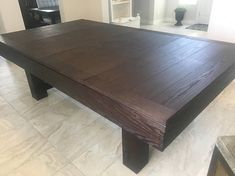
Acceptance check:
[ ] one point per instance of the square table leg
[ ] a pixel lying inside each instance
(212, 167)
(37, 86)
(218, 165)
(135, 152)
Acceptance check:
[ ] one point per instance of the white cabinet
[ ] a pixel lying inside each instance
(121, 13)
(120, 9)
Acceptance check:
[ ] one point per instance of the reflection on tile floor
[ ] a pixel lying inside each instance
(58, 136)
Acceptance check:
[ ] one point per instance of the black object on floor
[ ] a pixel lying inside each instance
(198, 27)
(179, 15)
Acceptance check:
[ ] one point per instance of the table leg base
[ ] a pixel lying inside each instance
(218, 165)
(37, 86)
(135, 152)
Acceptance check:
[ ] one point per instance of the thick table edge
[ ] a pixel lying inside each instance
(151, 133)
(186, 115)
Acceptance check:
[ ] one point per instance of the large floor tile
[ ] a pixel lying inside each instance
(23, 103)
(69, 170)
(17, 146)
(9, 119)
(44, 163)
(44, 105)
(100, 156)
(58, 115)
(72, 141)
(118, 169)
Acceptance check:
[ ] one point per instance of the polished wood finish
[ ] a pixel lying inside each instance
(223, 158)
(135, 152)
(151, 84)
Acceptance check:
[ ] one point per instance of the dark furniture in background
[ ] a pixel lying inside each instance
(29, 21)
(151, 84)
(34, 17)
(179, 16)
(51, 12)
(223, 158)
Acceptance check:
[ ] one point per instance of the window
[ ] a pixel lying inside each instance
(188, 2)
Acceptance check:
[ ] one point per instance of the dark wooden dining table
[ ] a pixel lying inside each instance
(53, 12)
(151, 84)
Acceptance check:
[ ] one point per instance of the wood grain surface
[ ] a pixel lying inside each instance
(151, 84)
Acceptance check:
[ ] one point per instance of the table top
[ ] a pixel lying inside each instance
(156, 74)
(51, 9)
(226, 146)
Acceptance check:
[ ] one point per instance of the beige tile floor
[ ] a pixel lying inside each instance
(181, 30)
(58, 136)
(171, 28)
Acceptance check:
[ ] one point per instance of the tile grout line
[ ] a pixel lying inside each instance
(70, 163)
(38, 133)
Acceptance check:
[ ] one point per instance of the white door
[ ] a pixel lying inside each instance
(204, 11)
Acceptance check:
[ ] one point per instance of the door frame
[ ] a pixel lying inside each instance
(199, 4)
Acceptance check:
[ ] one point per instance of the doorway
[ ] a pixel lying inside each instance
(204, 11)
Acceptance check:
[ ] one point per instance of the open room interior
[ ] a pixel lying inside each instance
(160, 15)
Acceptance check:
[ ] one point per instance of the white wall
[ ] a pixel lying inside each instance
(2, 28)
(96, 10)
(159, 11)
(204, 11)
(222, 22)
(151, 11)
(10, 16)
(146, 10)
